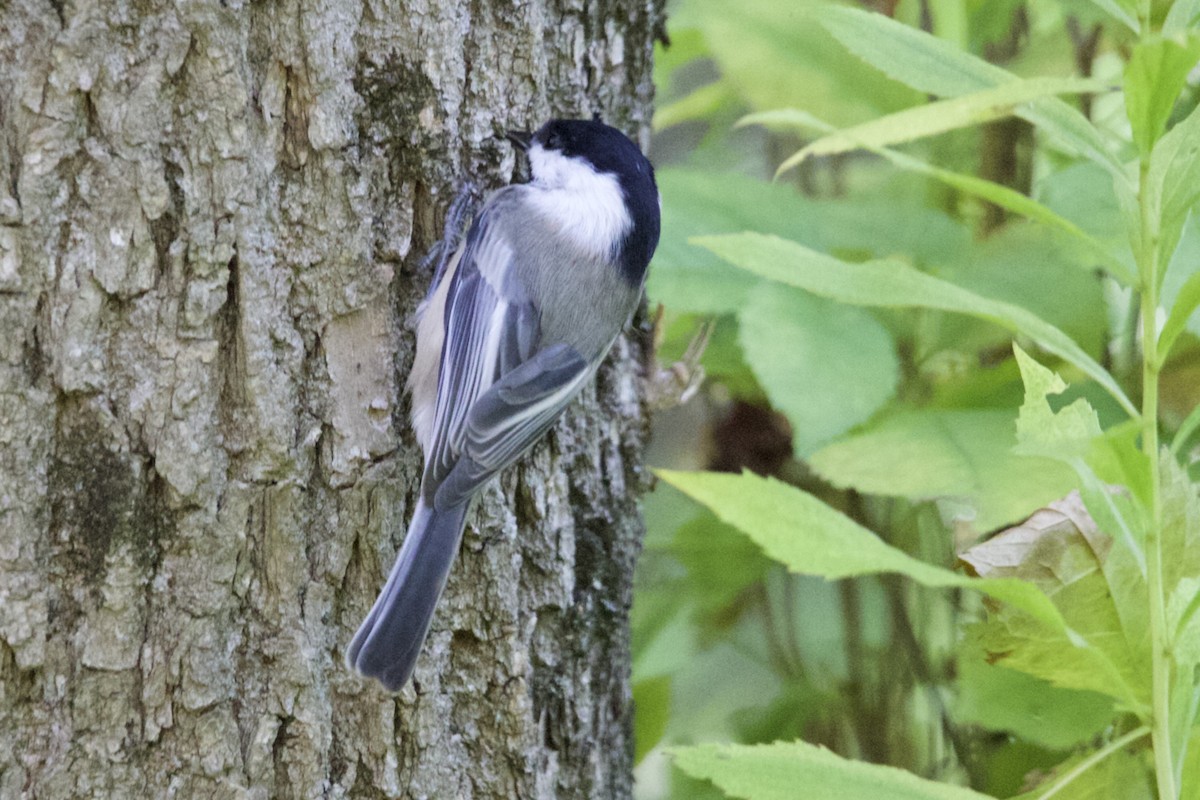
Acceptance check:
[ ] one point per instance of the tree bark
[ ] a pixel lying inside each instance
(212, 217)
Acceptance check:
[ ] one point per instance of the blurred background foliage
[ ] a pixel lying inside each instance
(904, 420)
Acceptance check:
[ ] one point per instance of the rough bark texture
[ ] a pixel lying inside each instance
(212, 216)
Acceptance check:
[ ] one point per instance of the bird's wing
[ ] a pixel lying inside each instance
(491, 327)
(511, 416)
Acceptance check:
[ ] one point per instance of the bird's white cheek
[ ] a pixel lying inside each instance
(586, 206)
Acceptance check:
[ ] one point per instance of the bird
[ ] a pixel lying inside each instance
(515, 324)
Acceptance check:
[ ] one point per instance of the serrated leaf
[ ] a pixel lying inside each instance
(1154, 77)
(792, 119)
(1071, 434)
(938, 454)
(892, 284)
(1186, 303)
(1119, 776)
(912, 57)
(1172, 184)
(1007, 700)
(688, 278)
(777, 771)
(962, 111)
(810, 538)
(1013, 201)
(1031, 268)
(1060, 550)
(929, 64)
(1043, 431)
(691, 279)
(779, 55)
(826, 366)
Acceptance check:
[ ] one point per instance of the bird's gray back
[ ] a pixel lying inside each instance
(582, 297)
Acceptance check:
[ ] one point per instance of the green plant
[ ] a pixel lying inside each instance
(1090, 620)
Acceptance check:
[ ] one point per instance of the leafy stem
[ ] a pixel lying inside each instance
(1094, 759)
(1148, 257)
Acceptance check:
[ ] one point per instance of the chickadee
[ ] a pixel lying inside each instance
(516, 324)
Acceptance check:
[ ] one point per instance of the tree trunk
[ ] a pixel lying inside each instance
(212, 217)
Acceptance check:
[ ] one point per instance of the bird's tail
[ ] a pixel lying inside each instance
(389, 639)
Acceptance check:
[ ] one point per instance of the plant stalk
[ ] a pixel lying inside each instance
(1159, 636)
(1092, 760)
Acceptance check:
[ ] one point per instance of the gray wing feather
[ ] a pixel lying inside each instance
(508, 419)
(491, 326)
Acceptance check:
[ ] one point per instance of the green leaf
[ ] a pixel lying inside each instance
(1186, 303)
(687, 46)
(779, 56)
(664, 639)
(688, 278)
(1182, 606)
(1069, 435)
(703, 103)
(781, 770)
(892, 284)
(1181, 16)
(1043, 431)
(1173, 183)
(939, 117)
(931, 454)
(1035, 269)
(786, 120)
(1154, 77)
(1060, 550)
(1119, 776)
(652, 710)
(910, 56)
(1013, 201)
(1120, 11)
(1181, 266)
(826, 366)
(1180, 524)
(1190, 783)
(810, 538)
(1033, 709)
(721, 563)
(1188, 427)
(931, 65)
(791, 119)
(1082, 193)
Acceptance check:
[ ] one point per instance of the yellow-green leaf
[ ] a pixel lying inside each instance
(892, 284)
(931, 119)
(810, 538)
(788, 770)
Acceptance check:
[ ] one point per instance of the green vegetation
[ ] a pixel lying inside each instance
(953, 250)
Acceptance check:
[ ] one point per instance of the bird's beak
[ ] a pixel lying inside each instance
(522, 139)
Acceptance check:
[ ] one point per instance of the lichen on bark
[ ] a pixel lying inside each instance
(212, 221)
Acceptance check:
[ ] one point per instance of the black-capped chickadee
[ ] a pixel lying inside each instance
(514, 326)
